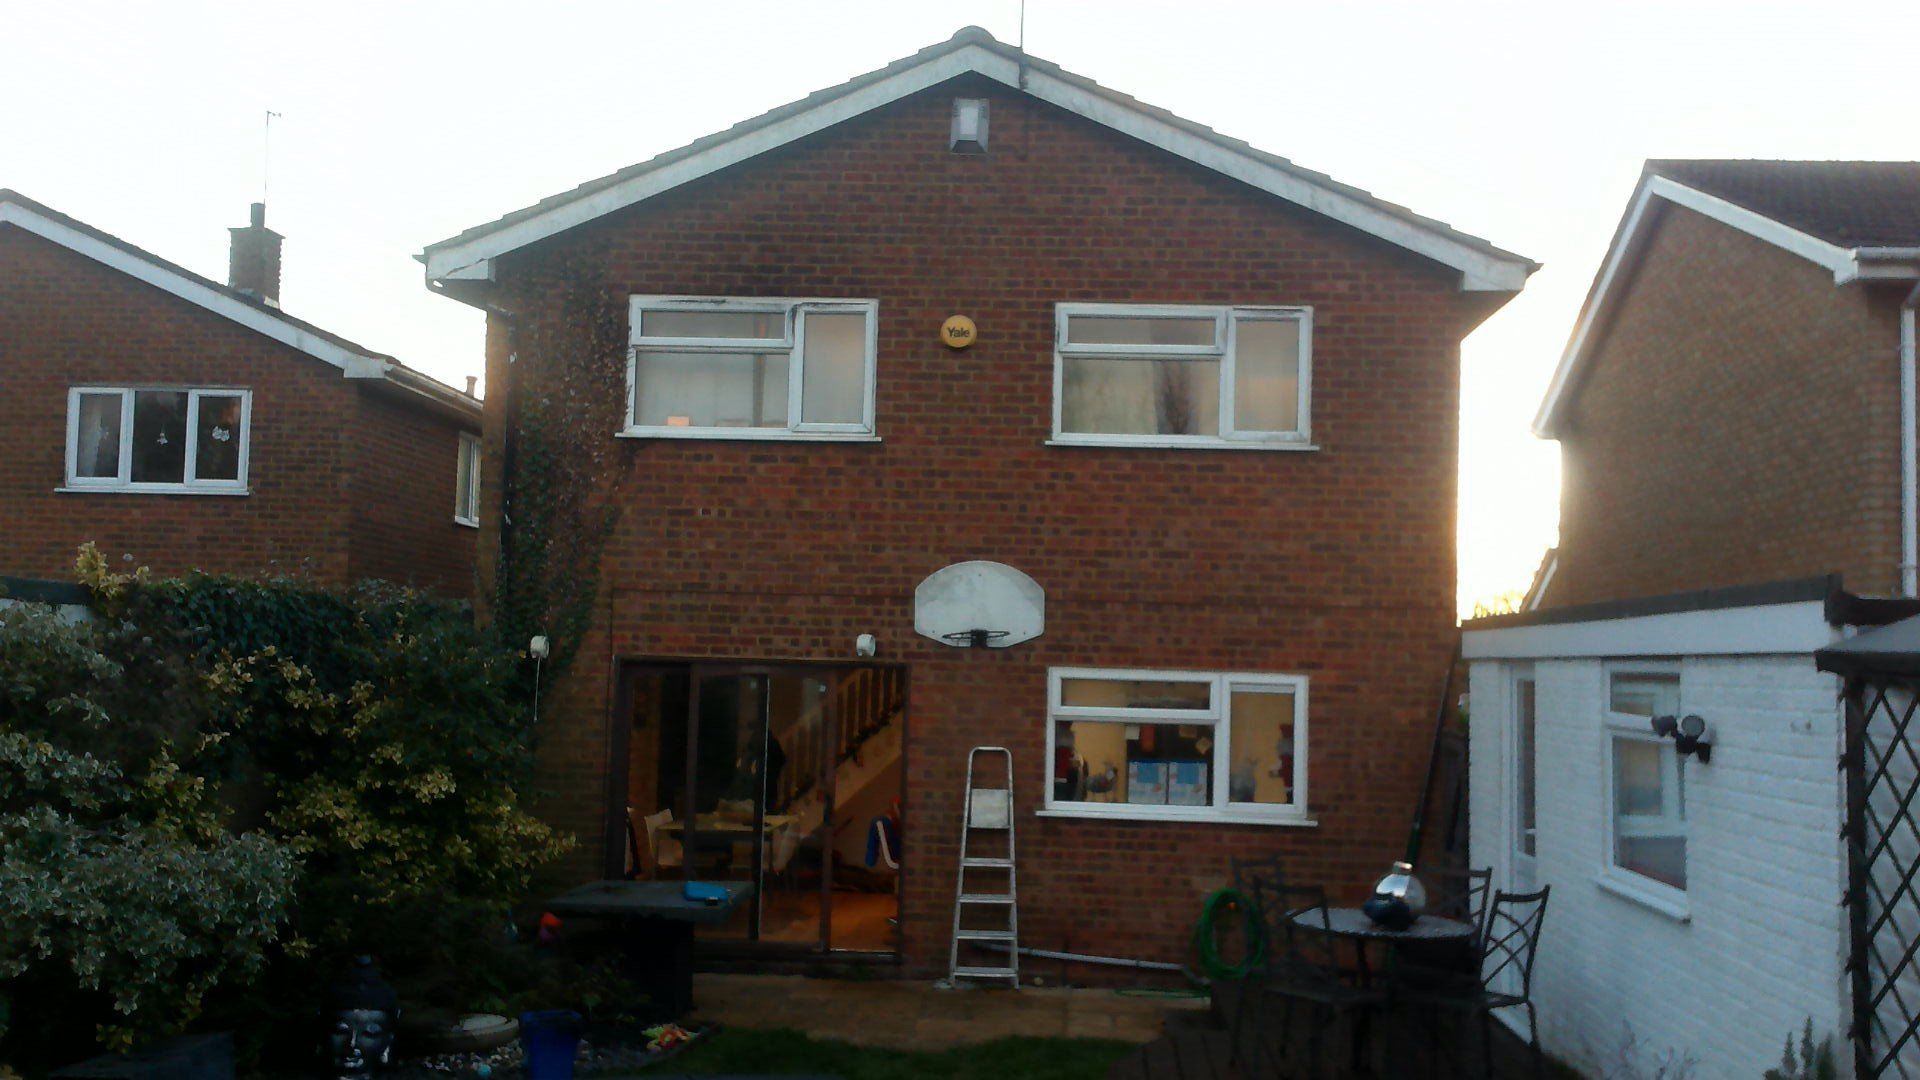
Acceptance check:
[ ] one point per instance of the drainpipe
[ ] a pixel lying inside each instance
(1909, 498)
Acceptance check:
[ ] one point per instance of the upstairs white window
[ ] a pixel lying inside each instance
(751, 369)
(1177, 745)
(1137, 375)
(158, 439)
(1647, 790)
(466, 494)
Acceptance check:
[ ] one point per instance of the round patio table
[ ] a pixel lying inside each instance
(1353, 924)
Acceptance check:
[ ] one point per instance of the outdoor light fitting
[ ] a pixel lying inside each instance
(1690, 735)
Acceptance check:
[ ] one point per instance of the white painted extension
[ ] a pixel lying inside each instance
(1696, 908)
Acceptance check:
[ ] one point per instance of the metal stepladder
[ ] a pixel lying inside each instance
(989, 810)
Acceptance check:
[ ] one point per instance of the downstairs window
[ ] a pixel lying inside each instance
(1177, 745)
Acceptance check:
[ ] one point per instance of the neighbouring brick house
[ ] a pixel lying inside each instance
(1210, 410)
(185, 424)
(1729, 407)
(1735, 412)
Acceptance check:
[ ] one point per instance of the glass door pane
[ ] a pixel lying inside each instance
(726, 800)
(795, 870)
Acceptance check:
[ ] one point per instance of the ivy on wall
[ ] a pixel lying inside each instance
(567, 341)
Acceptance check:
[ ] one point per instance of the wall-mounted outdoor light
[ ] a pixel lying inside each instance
(1690, 735)
(864, 645)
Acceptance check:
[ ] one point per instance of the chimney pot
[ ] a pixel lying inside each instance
(472, 380)
(253, 265)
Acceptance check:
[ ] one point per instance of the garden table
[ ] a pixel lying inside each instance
(656, 923)
(1353, 924)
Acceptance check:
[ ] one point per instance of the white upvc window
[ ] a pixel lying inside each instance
(1646, 793)
(466, 492)
(1177, 745)
(160, 439)
(1525, 765)
(1182, 376)
(730, 368)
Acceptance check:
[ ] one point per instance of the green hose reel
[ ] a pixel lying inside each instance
(1206, 944)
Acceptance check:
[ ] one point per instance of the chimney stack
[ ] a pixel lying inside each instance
(254, 265)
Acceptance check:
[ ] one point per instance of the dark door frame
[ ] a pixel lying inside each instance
(619, 747)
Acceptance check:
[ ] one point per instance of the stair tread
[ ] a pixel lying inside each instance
(986, 898)
(986, 972)
(987, 862)
(985, 935)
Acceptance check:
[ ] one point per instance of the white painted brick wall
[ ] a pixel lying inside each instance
(1763, 946)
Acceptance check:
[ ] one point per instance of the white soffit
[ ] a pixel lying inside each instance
(166, 280)
(1481, 270)
(1767, 629)
(1846, 264)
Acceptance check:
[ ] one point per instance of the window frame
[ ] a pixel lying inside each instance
(792, 342)
(1218, 716)
(1525, 773)
(466, 511)
(1612, 876)
(1227, 318)
(123, 481)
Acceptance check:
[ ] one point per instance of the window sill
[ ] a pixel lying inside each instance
(1651, 896)
(743, 435)
(467, 523)
(1182, 444)
(178, 490)
(1198, 815)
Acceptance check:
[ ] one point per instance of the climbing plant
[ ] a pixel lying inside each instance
(567, 344)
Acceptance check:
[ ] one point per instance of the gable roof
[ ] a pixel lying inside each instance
(1482, 266)
(1860, 220)
(354, 361)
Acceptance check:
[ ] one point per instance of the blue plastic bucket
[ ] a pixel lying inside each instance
(550, 1038)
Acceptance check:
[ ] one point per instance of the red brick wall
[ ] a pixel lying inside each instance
(1739, 423)
(1338, 564)
(403, 483)
(67, 320)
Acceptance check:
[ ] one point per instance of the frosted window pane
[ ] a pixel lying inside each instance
(707, 390)
(714, 324)
(833, 370)
(1132, 330)
(1266, 393)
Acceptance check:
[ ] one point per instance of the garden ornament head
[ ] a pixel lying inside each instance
(362, 1010)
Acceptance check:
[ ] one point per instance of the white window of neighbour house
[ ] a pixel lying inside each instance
(466, 495)
(1194, 376)
(1646, 793)
(162, 439)
(727, 368)
(1177, 745)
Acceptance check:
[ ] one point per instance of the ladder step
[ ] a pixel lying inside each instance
(1003, 864)
(986, 898)
(984, 935)
(985, 973)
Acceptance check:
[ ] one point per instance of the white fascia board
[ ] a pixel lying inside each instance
(1766, 629)
(1843, 263)
(1479, 270)
(187, 289)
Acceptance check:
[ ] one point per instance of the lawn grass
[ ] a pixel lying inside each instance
(785, 1052)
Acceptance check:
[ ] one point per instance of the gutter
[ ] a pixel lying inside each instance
(1909, 498)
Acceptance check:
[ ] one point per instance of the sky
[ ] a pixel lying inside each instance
(404, 123)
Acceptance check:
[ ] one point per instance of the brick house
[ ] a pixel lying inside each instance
(186, 424)
(1730, 407)
(1735, 411)
(1207, 413)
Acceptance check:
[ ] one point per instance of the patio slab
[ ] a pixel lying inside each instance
(913, 1015)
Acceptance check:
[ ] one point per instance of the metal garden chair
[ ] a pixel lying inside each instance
(1509, 943)
(1302, 971)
